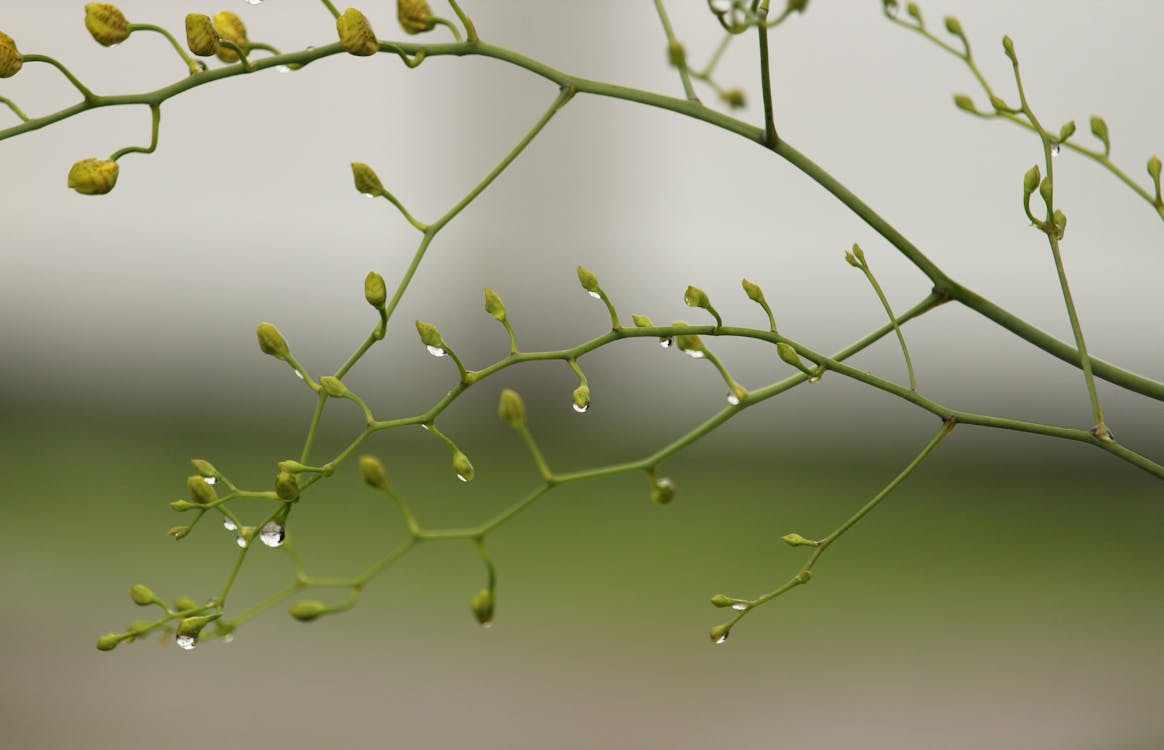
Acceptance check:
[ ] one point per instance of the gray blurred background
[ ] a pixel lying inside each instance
(1017, 604)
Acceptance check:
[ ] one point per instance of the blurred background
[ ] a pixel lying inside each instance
(1007, 595)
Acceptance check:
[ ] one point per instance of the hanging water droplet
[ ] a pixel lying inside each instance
(815, 379)
(1055, 149)
(486, 625)
(666, 343)
(462, 477)
(595, 295)
(201, 65)
(739, 607)
(694, 354)
(298, 374)
(581, 408)
(436, 351)
(283, 68)
(253, 2)
(229, 637)
(229, 525)
(186, 642)
(210, 480)
(721, 639)
(733, 399)
(272, 534)
(719, 7)
(309, 47)
(373, 196)
(424, 427)
(241, 541)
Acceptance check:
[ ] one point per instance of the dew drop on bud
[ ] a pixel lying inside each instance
(202, 67)
(298, 374)
(595, 295)
(1055, 149)
(253, 2)
(281, 69)
(694, 353)
(581, 409)
(210, 480)
(462, 477)
(272, 534)
(436, 351)
(666, 343)
(229, 525)
(814, 379)
(241, 541)
(228, 638)
(733, 399)
(186, 642)
(721, 639)
(739, 607)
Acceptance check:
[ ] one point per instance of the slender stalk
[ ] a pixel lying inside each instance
(761, 10)
(673, 42)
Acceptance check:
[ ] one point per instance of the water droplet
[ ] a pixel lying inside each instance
(462, 477)
(581, 408)
(272, 534)
(298, 374)
(719, 7)
(241, 541)
(372, 196)
(739, 607)
(210, 480)
(229, 525)
(1055, 149)
(424, 427)
(666, 343)
(732, 398)
(186, 642)
(229, 637)
(436, 351)
(309, 47)
(815, 379)
(595, 295)
(486, 625)
(202, 67)
(721, 639)
(253, 2)
(694, 354)
(283, 68)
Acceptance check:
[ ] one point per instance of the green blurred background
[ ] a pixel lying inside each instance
(1007, 595)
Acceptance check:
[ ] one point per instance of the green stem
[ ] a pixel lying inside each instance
(156, 119)
(191, 65)
(770, 136)
(889, 310)
(672, 41)
(331, 8)
(12, 106)
(470, 29)
(448, 24)
(85, 92)
(313, 428)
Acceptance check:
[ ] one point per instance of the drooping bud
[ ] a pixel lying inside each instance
(355, 33)
(965, 103)
(511, 410)
(734, 98)
(307, 610)
(582, 398)
(482, 606)
(642, 321)
(333, 386)
(676, 55)
(272, 342)
(463, 467)
(720, 633)
(797, 6)
(662, 491)
(414, 15)
(109, 641)
(231, 28)
(1067, 130)
(367, 181)
(201, 36)
(93, 176)
(192, 626)
(106, 23)
(375, 290)
(493, 305)
(373, 472)
(287, 486)
(201, 491)
(690, 343)
(179, 532)
(1031, 181)
(11, 61)
(588, 280)
(142, 596)
(1099, 130)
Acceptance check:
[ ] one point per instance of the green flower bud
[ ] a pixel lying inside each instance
(142, 596)
(414, 15)
(789, 355)
(493, 305)
(192, 626)
(734, 98)
(797, 6)
(588, 281)
(11, 61)
(663, 491)
(1008, 48)
(913, 11)
(890, 7)
(1059, 219)
(676, 55)
(272, 342)
(429, 335)
(367, 181)
(373, 472)
(1099, 130)
(754, 292)
(333, 386)
(511, 410)
(93, 176)
(463, 467)
(106, 23)
(582, 398)
(375, 290)
(690, 344)
(1154, 167)
(859, 253)
(852, 259)
(642, 321)
(356, 33)
(231, 28)
(796, 540)
(696, 297)
(954, 26)
(205, 468)
(307, 610)
(965, 103)
(720, 633)
(1047, 190)
(1031, 180)
(804, 576)
(1067, 130)
(183, 505)
(109, 641)
(998, 103)
(179, 532)
(292, 467)
(201, 491)
(184, 604)
(201, 36)
(482, 606)
(720, 600)
(287, 486)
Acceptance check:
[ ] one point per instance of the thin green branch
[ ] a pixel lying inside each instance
(673, 44)
(156, 119)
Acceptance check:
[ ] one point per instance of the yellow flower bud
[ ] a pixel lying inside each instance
(676, 55)
(511, 410)
(482, 606)
(231, 28)
(663, 491)
(414, 15)
(272, 342)
(356, 33)
(10, 58)
(642, 321)
(308, 610)
(201, 36)
(375, 291)
(93, 176)
(106, 23)
(367, 182)
(734, 98)
(373, 472)
(582, 399)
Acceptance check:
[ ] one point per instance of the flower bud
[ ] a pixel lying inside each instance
(179, 532)
(307, 610)
(414, 15)
(511, 410)
(663, 491)
(803, 576)
(1154, 167)
(1008, 48)
(754, 292)
(356, 33)
(142, 595)
(430, 336)
(734, 98)
(588, 280)
(789, 355)
(914, 12)
(642, 321)
(1047, 190)
(720, 600)
(272, 342)
(676, 55)
(482, 606)
(201, 36)
(1031, 180)
(1059, 219)
(493, 305)
(11, 61)
(463, 467)
(367, 181)
(582, 398)
(106, 23)
(1099, 130)
(1067, 130)
(852, 259)
(287, 486)
(373, 472)
(109, 641)
(231, 28)
(184, 604)
(954, 26)
(965, 103)
(200, 491)
(192, 626)
(797, 6)
(333, 386)
(998, 103)
(696, 297)
(183, 505)
(720, 633)
(205, 468)
(796, 540)
(375, 291)
(93, 176)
